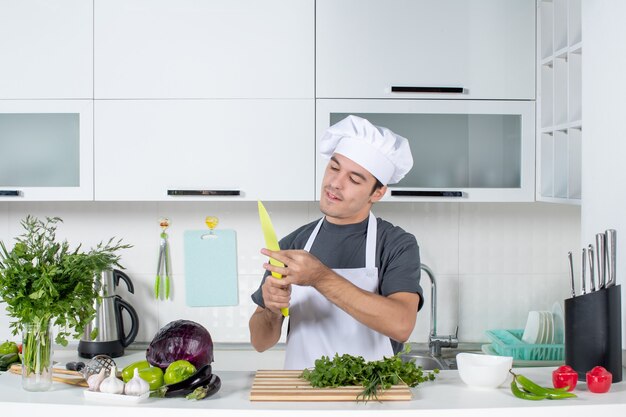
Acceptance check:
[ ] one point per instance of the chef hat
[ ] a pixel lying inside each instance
(384, 154)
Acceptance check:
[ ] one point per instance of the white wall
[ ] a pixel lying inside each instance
(494, 262)
(604, 137)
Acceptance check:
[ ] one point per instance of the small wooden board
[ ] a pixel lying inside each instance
(73, 378)
(279, 385)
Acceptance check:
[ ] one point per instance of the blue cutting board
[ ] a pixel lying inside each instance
(211, 268)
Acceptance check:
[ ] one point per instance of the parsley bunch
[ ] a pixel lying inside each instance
(374, 376)
(43, 280)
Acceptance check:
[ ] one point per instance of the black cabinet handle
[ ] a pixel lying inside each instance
(203, 193)
(407, 89)
(405, 193)
(10, 193)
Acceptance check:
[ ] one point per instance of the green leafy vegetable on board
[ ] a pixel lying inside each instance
(374, 376)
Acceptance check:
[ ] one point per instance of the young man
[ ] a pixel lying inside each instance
(350, 281)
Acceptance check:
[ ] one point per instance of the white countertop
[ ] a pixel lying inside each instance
(446, 396)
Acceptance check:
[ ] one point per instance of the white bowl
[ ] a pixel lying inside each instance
(483, 371)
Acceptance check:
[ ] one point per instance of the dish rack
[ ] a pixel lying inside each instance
(510, 343)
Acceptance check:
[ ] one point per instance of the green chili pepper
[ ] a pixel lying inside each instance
(523, 394)
(532, 391)
(552, 393)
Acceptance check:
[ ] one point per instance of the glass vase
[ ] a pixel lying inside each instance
(37, 356)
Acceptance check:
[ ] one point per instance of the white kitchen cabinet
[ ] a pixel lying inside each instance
(46, 150)
(485, 48)
(559, 103)
(204, 49)
(463, 150)
(178, 150)
(46, 49)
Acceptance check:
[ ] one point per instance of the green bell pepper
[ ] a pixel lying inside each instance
(153, 376)
(178, 371)
(129, 371)
(8, 347)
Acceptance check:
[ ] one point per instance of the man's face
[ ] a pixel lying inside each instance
(347, 191)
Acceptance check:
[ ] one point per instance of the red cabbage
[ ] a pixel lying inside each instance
(178, 340)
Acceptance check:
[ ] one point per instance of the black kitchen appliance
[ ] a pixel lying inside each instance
(105, 334)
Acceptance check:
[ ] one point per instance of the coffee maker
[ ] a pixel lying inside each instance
(108, 324)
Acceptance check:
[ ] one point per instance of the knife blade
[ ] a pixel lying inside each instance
(571, 272)
(611, 255)
(583, 274)
(601, 260)
(271, 243)
(591, 268)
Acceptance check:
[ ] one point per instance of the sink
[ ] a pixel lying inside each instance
(428, 362)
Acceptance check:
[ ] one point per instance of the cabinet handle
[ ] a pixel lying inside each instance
(406, 89)
(10, 193)
(202, 193)
(405, 193)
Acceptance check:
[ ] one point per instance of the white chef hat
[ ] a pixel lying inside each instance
(384, 154)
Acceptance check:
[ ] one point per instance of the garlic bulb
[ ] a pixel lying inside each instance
(95, 380)
(112, 385)
(136, 386)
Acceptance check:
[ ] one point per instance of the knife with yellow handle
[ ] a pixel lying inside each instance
(271, 242)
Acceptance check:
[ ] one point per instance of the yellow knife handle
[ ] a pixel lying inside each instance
(285, 310)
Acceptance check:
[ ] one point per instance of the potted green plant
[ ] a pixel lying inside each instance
(44, 283)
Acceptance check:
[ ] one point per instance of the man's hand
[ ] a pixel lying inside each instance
(301, 268)
(276, 294)
(393, 315)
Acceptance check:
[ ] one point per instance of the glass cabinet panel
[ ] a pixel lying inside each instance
(39, 150)
(470, 150)
(456, 150)
(46, 150)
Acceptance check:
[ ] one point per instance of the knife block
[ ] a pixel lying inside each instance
(593, 332)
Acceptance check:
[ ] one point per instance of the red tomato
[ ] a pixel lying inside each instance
(564, 376)
(19, 348)
(599, 380)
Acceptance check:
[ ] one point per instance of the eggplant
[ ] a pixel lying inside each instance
(205, 391)
(200, 378)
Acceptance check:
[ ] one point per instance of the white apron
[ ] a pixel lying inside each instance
(318, 327)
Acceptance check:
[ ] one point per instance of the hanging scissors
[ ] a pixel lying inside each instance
(164, 262)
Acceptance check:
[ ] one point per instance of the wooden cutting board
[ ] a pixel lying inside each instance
(73, 378)
(288, 386)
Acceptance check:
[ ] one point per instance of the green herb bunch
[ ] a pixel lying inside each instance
(374, 376)
(43, 281)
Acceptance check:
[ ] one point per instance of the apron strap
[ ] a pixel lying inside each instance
(309, 242)
(370, 243)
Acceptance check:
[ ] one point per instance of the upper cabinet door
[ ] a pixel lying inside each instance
(46, 49)
(46, 150)
(209, 150)
(483, 48)
(204, 49)
(463, 150)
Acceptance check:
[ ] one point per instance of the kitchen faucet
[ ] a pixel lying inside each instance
(435, 341)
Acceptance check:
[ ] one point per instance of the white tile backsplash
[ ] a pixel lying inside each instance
(493, 262)
(502, 301)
